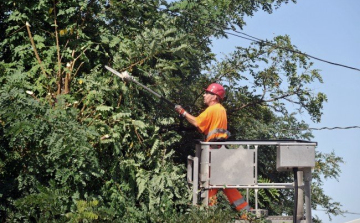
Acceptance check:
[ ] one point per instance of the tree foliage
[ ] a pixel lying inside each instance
(78, 144)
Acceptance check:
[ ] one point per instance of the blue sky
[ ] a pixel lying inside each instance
(329, 30)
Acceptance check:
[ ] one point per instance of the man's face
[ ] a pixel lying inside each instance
(208, 98)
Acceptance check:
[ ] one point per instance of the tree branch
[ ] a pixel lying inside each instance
(59, 83)
(33, 45)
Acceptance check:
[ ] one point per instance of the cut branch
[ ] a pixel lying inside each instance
(59, 79)
(34, 46)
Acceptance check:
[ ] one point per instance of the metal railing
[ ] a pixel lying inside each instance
(233, 164)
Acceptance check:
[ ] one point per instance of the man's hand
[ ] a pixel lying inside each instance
(180, 110)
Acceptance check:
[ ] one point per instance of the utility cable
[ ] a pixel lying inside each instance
(344, 212)
(322, 128)
(333, 128)
(258, 40)
(254, 39)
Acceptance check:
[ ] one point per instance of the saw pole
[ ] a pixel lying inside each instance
(125, 75)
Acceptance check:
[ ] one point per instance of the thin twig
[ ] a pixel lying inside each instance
(16, 31)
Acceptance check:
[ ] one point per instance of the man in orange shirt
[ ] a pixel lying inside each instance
(213, 124)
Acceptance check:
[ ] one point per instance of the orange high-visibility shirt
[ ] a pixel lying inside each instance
(214, 117)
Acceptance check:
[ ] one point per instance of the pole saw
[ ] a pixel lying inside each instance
(125, 75)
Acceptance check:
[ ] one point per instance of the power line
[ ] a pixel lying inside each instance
(322, 128)
(333, 128)
(258, 40)
(345, 212)
(255, 39)
(306, 129)
(351, 213)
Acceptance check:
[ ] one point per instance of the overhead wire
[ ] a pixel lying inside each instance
(258, 40)
(321, 128)
(345, 212)
(333, 128)
(255, 39)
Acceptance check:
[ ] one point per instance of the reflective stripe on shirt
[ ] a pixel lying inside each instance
(218, 131)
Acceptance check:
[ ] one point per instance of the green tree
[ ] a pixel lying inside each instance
(79, 144)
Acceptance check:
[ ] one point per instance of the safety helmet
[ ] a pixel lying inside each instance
(216, 89)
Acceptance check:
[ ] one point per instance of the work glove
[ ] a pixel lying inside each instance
(180, 110)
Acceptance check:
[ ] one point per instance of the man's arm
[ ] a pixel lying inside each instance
(191, 119)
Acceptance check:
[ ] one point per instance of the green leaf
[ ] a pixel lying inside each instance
(104, 108)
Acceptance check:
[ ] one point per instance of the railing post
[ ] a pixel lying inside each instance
(193, 176)
(205, 172)
(307, 179)
(195, 180)
(300, 199)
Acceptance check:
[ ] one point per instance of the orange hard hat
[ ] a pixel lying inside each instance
(216, 89)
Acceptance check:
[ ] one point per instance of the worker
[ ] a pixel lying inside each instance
(213, 124)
